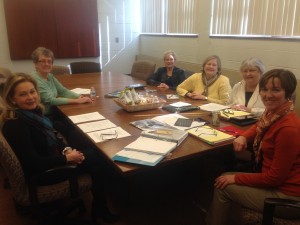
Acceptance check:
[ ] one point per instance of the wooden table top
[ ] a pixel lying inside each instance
(107, 82)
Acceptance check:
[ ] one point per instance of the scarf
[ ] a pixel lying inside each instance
(264, 123)
(42, 123)
(207, 83)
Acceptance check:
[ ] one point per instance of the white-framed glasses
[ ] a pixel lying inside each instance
(206, 131)
(109, 135)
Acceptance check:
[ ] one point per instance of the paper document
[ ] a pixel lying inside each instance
(86, 117)
(213, 107)
(81, 91)
(97, 125)
(180, 104)
(109, 134)
(173, 96)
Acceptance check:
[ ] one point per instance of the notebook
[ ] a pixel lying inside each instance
(210, 135)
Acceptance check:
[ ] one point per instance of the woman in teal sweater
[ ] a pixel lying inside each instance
(51, 90)
(53, 93)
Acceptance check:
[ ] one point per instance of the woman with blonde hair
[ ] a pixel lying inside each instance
(37, 146)
(210, 85)
(169, 76)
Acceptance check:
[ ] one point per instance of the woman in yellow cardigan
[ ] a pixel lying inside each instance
(210, 85)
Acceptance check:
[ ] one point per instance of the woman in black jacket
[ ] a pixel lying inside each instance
(32, 138)
(168, 76)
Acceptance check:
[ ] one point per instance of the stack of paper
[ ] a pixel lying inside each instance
(135, 157)
(213, 107)
(145, 151)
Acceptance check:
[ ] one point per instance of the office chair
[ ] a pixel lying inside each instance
(142, 69)
(28, 194)
(251, 217)
(60, 70)
(85, 67)
(188, 73)
(4, 74)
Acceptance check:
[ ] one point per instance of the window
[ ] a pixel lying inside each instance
(168, 16)
(270, 18)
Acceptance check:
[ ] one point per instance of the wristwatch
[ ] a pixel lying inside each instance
(65, 150)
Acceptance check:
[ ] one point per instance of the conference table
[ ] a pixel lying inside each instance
(107, 82)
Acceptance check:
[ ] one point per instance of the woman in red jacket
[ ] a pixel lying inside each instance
(276, 149)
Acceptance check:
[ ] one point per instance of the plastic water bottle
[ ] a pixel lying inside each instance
(93, 93)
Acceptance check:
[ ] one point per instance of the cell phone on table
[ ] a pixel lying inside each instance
(199, 119)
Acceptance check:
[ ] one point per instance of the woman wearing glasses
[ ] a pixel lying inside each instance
(53, 93)
(245, 94)
(210, 85)
(31, 136)
(51, 90)
(276, 148)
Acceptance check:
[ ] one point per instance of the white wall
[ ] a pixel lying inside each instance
(118, 39)
(274, 53)
(116, 19)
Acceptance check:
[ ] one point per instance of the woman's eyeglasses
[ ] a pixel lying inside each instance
(43, 61)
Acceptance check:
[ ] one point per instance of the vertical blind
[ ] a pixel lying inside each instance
(256, 17)
(168, 16)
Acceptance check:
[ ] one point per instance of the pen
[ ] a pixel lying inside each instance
(230, 131)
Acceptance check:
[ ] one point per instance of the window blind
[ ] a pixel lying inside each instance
(256, 17)
(168, 16)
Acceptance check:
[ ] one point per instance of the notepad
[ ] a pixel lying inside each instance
(86, 117)
(210, 135)
(233, 113)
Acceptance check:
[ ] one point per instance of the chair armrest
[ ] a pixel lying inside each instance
(271, 203)
(282, 202)
(53, 176)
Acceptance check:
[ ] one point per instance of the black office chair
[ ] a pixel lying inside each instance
(188, 73)
(251, 217)
(85, 67)
(30, 196)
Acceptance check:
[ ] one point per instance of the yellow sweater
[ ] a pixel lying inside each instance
(218, 92)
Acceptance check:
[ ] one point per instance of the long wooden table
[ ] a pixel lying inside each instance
(107, 82)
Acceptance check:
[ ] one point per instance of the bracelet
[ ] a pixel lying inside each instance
(65, 150)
